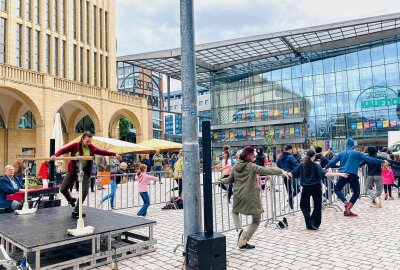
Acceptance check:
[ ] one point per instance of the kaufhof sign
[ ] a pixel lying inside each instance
(377, 96)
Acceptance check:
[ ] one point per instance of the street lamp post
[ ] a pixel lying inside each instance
(191, 170)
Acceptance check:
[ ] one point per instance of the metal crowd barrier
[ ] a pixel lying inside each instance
(274, 197)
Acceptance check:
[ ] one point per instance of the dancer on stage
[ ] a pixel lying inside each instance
(82, 148)
(349, 162)
(246, 200)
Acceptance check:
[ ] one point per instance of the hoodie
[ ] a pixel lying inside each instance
(287, 162)
(350, 159)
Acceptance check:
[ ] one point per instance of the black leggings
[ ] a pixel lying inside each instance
(179, 182)
(388, 188)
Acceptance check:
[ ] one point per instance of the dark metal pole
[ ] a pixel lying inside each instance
(169, 93)
(52, 166)
(191, 170)
(207, 178)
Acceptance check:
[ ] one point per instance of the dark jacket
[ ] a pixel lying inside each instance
(312, 178)
(147, 162)
(287, 162)
(329, 156)
(297, 157)
(374, 169)
(260, 158)
(6, 187)
(321, 160)
(119, 177)
(77, 147)
(350, 159)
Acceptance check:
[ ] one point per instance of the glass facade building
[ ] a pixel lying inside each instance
(354, 94)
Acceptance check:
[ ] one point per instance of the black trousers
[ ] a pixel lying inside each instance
(292, 188)
(230, 188)
(315, 192)
(179, 182)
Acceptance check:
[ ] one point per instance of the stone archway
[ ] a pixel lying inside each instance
(113, 130)
(73, 111)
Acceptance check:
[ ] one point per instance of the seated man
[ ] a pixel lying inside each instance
(10, 184)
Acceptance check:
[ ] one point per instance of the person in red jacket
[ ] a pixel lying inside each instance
(82, 148)
(44, 170)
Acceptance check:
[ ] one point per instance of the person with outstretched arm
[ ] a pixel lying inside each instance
(82, 148)
(349, 162)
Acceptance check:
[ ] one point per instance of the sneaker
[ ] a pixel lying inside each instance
(285, 222)
(75, 214)
(239, 244)
(350, 214)
(247, 246)
(346, 208)
(72, 202)
(391, 198)
(398, 194)
(386, 196)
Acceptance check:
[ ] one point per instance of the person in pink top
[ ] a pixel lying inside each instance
(143, 178)
(388, 181)
(225, 167)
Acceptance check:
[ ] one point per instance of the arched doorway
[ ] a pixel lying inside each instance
(125, 125)
(77, 117)
(20, 126)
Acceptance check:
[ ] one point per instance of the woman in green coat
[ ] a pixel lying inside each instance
(246, 199)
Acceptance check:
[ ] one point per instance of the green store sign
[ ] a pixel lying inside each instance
(377, 96)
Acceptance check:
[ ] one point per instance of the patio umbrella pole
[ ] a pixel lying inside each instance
(25, 208)
(80, 230)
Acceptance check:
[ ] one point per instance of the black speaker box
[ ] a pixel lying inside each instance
(206, 252)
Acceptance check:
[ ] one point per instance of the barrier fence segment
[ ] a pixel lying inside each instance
(276, 195)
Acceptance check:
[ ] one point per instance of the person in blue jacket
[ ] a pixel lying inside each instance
(288, 163)
(349, 162)
(10, 184)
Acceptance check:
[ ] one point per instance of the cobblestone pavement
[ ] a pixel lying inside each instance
(369, 241)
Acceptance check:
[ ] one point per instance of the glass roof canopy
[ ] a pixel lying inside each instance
(257, 54)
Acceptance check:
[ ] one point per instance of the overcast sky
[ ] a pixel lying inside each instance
(149, 25)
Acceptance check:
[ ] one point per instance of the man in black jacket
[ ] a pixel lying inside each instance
(323, 161)
(288, 163)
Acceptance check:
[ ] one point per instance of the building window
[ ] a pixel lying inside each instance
(55, 15)
(94, 26)
(206, 102)
(106, 73)
(28, 10)
(3, 5)
(81, 65)
(74, 11)
(101, 28)
(63, 17)
(81, 18)
(19, 45)
(85, 124)
(75, 54)
(2, 40)
(106, 29)
(55, 57)
(87, 66)
(27, 121)
(28, 48)
(95, 69)
(63, 54)
(200, 103)
(47, 14)
(36, 51)
(48, 54)
(87, 23)
(19, 8)
(101, 71)
(36, 11)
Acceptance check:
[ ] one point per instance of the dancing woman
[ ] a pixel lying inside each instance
(247, 199)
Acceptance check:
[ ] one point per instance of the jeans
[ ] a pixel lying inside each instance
(69, 181)
(146, 203)
(252, 228)
(354, 184)
(377, 182)
(316, 193)
(111, 195)
(157, 170)
(292, 188)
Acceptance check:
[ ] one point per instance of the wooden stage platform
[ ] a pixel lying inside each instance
(42, 238)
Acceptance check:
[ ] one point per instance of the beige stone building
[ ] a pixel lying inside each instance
(60, 56)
